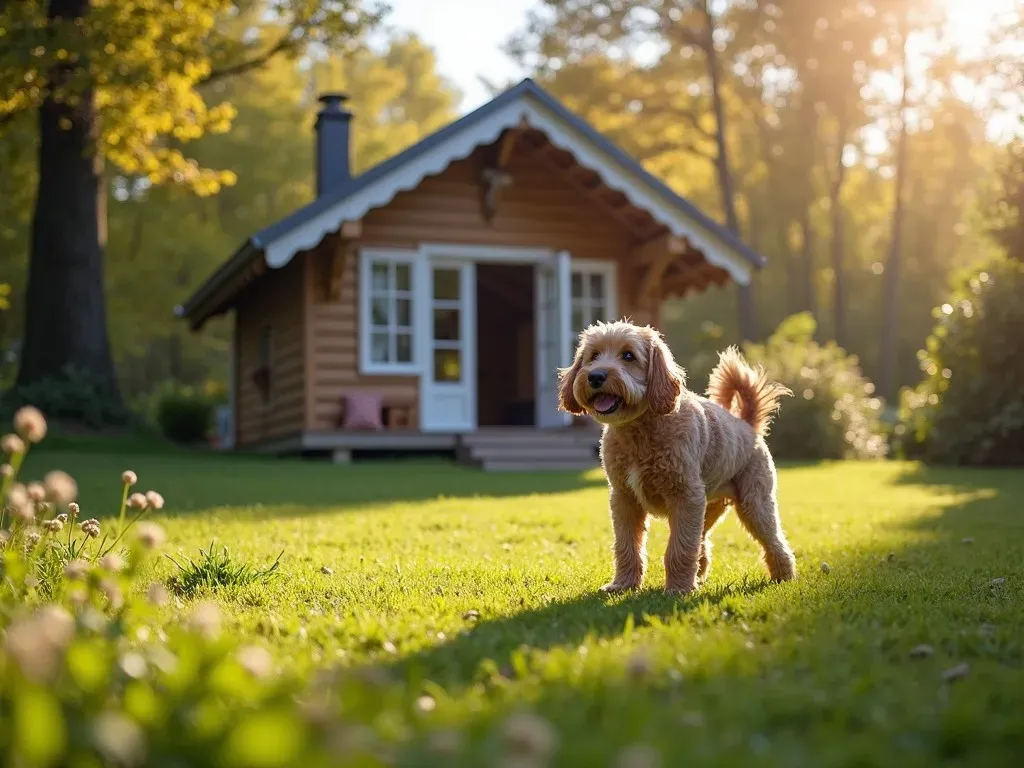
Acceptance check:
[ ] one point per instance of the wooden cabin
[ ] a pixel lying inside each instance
(427, 303)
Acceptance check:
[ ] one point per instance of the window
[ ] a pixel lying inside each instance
(386, 312)
(592, 292)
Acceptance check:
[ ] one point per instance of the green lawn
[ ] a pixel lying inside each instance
(384, 563)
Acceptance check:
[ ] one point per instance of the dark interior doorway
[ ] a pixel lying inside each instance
(506, 342)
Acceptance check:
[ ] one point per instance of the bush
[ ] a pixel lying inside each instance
(969, 409)
(184, 414)
(833, 413)
(77, 396)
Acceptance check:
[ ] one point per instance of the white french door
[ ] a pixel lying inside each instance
(554, 335)
(448, 388)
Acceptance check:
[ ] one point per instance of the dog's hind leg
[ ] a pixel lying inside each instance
(758, 511)
(715, 511)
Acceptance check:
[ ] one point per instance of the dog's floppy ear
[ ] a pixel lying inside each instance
(566, 377)
(665, 379)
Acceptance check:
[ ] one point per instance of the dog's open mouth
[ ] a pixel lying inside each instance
(606, 404)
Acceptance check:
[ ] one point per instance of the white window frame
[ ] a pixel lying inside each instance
(367, 258)
(585, 268)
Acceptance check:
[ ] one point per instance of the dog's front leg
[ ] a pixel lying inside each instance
(686, 530)
(630, 523)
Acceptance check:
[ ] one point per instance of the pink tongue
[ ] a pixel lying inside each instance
(604, 403)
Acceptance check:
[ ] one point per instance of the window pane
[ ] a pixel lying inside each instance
(597, 312)
(446, 284)
(403, 313)
(597, 286)
(403, 347)
(379, 347)
(577, 285)
(379, 273)
(447, 365)
(446, 324)
(577, 319)
(379, 312)
(403, 277)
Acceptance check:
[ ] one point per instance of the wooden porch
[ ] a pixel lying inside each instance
(493, 449)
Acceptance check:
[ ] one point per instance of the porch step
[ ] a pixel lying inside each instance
(527, 449)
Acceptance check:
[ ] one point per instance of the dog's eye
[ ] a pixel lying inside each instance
(628, 356)
(594, 356)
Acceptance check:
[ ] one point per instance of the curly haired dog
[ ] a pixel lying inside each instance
(671, 453)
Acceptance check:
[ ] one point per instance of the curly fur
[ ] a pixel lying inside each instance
(668, 452)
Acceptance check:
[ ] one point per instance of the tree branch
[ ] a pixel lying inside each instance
(242, 67)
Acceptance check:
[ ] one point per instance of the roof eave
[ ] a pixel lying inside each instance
(191, 308)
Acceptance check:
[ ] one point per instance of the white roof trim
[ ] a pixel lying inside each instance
(462, 143)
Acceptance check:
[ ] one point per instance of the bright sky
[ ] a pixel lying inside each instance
(467, 35)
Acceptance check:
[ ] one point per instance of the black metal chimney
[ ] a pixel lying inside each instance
(332, 144)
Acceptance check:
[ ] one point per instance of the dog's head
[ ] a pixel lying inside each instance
(620, 372)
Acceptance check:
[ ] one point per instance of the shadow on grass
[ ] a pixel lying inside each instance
(563, 623)
(265, 487)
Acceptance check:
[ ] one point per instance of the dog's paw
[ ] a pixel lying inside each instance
(616, 587)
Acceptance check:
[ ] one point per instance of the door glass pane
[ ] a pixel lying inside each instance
(446, 284)
(379, 312)
(597, 286)
(379, 277)
(403, 277)
(379, 347)
(403, 347)
(577, 285)
(447, 365)
(578, 323)
(403, 313)
(446, 324)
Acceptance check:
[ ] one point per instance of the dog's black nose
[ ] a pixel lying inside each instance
(597, 378)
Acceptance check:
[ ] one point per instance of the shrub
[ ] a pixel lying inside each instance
(833, 413)
(76, 396)
(184, 414)
(969, 409)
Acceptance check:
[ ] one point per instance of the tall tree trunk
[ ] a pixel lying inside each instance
(745, 294)
(808, 294)
(836, 210)
(65, 310)
(891, 279)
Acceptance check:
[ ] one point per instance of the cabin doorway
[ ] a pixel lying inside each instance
(506, 344)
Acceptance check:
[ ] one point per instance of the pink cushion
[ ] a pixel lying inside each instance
(362, 411)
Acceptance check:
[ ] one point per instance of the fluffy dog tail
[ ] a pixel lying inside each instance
(744, 391)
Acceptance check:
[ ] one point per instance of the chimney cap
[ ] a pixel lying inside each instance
(333, 99)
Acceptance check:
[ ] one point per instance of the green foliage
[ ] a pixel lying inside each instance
(1007, 215)
(969, 408)
(184, 414)
(214, 570)
(76, 396)
(833, 413)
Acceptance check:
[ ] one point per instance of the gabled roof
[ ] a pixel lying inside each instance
(524, 103)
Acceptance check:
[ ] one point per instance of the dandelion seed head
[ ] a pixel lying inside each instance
(30, 423)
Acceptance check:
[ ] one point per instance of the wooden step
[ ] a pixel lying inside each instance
(542, 452)
(532, 465)
(532, 437)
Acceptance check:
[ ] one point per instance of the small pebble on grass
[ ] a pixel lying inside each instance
(826, 568)
(922, 651)
(471, 615)
(958, 672)
(326, 570)
(997, 582)
(967, 540)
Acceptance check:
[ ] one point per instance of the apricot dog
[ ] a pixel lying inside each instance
(671, 453)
